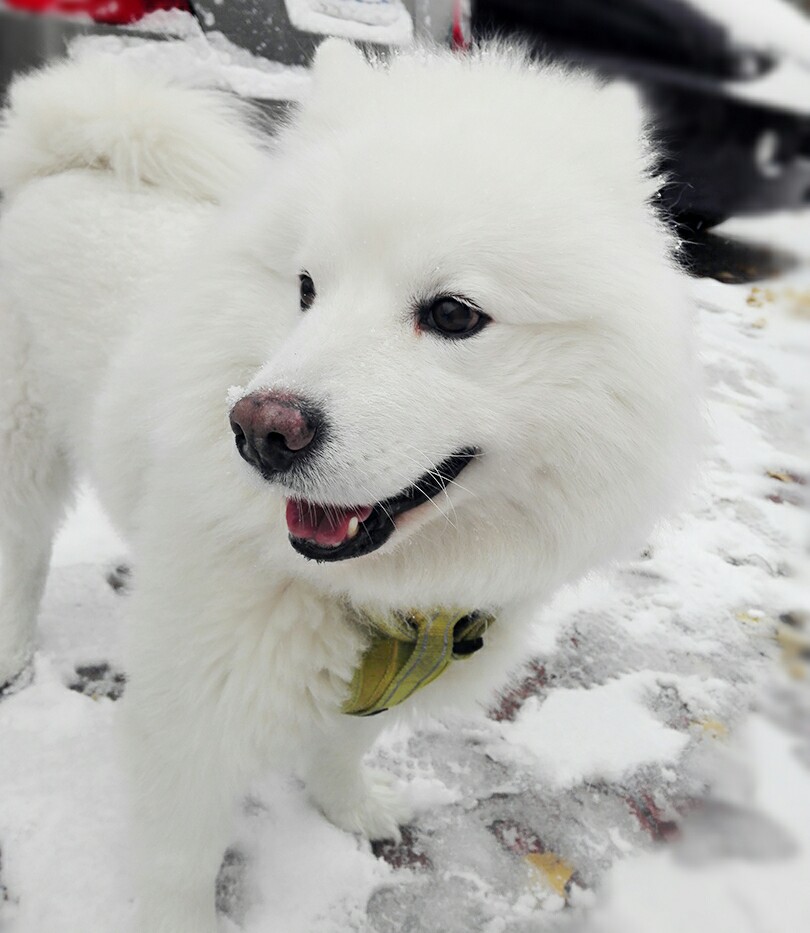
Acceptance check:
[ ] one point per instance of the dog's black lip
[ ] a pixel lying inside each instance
(380, 525)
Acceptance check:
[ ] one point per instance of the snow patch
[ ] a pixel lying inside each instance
(596, 734)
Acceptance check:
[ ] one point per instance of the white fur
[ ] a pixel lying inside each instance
(137, 124)
(149, 260)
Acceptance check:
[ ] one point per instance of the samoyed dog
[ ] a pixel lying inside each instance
(425, 352)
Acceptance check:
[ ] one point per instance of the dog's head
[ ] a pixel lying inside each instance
(485, 384)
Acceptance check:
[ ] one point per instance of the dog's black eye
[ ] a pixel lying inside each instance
(450, 317)
(307, 291)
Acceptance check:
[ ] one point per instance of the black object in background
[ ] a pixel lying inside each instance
(725, 155)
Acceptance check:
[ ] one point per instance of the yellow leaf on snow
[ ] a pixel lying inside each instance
(713, 727)
(552, 870)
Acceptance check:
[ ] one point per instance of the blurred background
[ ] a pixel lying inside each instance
(727, 82)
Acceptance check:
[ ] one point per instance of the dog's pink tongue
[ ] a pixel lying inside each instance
(328, 527)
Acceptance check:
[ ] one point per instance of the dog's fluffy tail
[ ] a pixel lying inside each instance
(104, 113)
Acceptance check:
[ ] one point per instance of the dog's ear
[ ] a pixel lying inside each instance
(628, 126)
(339, 75)
(623, 103)
(336, 59)
(339, 72)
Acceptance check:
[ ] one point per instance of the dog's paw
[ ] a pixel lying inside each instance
(375, 807)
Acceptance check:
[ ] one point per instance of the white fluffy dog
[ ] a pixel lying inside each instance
(465, 377)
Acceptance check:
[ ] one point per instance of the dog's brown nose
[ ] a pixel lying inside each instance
(274, 429)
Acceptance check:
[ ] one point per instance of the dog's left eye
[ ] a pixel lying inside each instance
(307, 290)
(450, 317)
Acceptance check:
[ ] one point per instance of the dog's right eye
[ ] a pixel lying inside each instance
(452, 318)
(307, 291)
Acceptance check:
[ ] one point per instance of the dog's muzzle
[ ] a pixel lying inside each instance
(276, 432)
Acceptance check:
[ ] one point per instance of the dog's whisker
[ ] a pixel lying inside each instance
(432, 501)
(444, 481)
(376, 503)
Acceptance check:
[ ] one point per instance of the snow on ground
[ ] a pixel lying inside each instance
(650, 772)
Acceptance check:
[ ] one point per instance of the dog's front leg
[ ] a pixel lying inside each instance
(183, 791)
(352, 795)
(187, 766)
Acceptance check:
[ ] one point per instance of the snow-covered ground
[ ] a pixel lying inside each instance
(651, 773)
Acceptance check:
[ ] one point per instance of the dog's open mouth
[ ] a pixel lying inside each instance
(331, 533)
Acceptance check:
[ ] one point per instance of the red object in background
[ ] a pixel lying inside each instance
(115, 12)
(460, 36)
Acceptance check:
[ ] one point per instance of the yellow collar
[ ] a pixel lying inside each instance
(409, 650)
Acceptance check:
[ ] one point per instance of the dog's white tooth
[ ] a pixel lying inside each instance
(354, 524)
